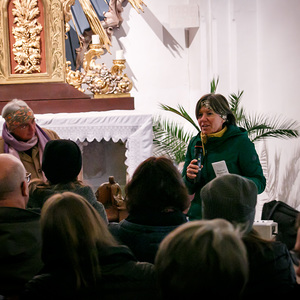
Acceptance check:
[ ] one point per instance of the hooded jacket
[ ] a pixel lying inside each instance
(239, 154)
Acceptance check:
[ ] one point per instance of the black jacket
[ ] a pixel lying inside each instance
(271, 271)
(20, 248)
(122, 278)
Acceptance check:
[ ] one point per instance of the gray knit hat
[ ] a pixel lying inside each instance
(231, 197)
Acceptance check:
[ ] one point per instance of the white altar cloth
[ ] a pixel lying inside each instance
(129, 126)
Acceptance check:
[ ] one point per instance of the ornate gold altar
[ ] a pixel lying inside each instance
(33, 64)
(32, 41)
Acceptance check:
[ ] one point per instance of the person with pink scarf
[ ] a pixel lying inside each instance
(23, 138)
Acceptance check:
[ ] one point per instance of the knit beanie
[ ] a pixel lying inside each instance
(16, 118)
(62, 161)
(231, 197)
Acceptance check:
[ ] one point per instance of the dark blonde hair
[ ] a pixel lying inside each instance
(219, 105)
(73, 233)
(204, 257)
(156, 184)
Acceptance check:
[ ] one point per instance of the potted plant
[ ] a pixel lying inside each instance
(171, 139)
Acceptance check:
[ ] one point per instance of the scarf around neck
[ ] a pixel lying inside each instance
(13, 146)
(204, 137)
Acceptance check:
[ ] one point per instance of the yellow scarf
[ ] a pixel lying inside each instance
(204, 137)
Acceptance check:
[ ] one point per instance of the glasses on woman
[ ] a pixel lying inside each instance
(28, 176)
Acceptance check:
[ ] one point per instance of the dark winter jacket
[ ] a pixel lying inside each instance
(271, 271)
(20, 248)
(38, 197)
(239, 154)
(142, 232)
(123, 277)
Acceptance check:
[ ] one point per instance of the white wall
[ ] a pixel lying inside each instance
(251, 45)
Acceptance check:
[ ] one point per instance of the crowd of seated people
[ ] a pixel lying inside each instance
(78, 257)
(56, 241)
(81, 258)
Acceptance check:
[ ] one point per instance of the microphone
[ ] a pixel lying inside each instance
(198, 155)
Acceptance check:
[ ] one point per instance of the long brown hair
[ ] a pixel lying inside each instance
(72, 235)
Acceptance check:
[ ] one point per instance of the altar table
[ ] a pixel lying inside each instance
(130, 126)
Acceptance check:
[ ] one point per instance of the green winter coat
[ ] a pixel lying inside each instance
(239, 154)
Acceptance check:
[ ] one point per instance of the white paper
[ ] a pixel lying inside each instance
(220, 168)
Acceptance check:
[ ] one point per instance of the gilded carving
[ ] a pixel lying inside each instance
(27, 46)
(137, 5)
(74, 78)
(67, 13)
(57, 39)
(95, 23)
(32, 49)
(1, 46)
(102, 81)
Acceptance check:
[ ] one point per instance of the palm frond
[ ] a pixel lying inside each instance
(234, 104)
(260, 127)
(289, 190)
(170, 139)
(181, 112)
(213, 85)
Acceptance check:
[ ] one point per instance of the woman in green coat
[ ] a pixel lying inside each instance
(220, 141)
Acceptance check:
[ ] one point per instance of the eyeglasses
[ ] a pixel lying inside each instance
(28, 176)
(27, 125)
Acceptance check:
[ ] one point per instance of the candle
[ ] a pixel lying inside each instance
(95, 39)
(120, 54)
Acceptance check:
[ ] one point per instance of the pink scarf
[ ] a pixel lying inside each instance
(13, 146)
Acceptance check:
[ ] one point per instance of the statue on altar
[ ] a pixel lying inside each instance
(110, 195)
(35, 36)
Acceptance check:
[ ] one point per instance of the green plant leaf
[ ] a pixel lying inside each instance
(260, 127)
(170, 139)
(213, 85)
(181, 112)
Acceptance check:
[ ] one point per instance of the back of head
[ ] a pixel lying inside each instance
(156, 184)
(205, 258)
(231, 197)
(15, 113)
(62, 161)
(12, 177)
(72, 234)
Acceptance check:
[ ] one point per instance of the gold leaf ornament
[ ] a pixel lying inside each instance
(27, 46)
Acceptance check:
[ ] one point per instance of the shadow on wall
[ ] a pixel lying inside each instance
(283, 178)
(119, 33)
(162, 33)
